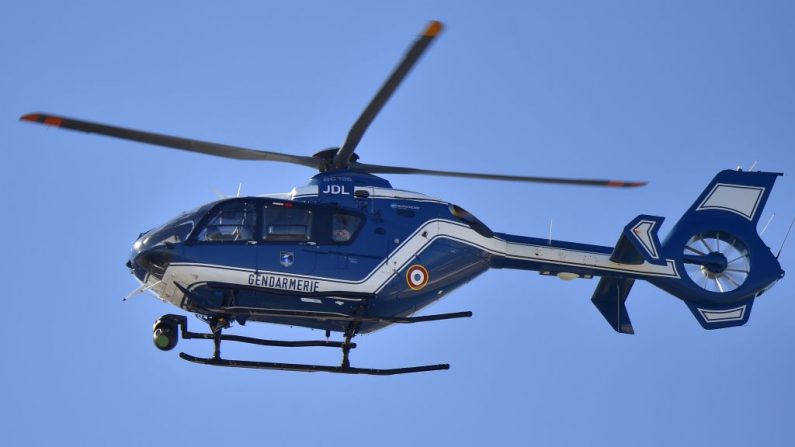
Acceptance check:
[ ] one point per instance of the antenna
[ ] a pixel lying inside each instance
(753, 165)
(143, 288)
(550, 231)
(239, 187)
(785, 238)
(767, 224)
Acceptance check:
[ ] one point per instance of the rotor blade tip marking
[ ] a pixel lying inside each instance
(41, 118)
(622, 184)
(52, 121)
(433, 29)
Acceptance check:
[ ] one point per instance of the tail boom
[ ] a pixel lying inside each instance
(713, 259)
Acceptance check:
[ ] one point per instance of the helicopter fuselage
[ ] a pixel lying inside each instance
(347, 244)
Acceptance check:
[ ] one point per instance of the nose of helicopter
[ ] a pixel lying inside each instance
(130, 264)
(149, 262)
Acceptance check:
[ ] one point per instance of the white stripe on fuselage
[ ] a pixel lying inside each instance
(413, 246)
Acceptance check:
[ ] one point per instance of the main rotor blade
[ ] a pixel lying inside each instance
(343, 156)
(203, 147)
(378, 169)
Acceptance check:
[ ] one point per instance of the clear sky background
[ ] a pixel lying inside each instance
(665, 91)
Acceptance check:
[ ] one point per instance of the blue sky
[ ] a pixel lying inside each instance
(669, 92)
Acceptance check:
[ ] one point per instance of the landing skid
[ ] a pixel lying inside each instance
(310, 368)
(167, 330)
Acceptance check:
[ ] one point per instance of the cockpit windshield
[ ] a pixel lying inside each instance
(174, 231)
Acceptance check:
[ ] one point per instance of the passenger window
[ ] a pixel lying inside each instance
(235, 221)
(286, 223)
(343, 226)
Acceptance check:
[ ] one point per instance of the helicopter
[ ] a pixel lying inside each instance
(350, 254)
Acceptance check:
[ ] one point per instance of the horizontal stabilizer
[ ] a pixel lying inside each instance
(609, 297)
(718, 317)
(639, 242)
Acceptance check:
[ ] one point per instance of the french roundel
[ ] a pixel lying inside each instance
(417, 277)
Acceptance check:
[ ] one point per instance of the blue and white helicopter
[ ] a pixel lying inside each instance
(348, 253)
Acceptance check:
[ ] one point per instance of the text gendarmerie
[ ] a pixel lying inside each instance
(280, 282)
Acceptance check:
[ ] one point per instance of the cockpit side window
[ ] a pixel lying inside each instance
(344, 226)
(231, 222)
(286, 222)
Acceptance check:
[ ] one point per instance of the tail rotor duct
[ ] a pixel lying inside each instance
(717, 261)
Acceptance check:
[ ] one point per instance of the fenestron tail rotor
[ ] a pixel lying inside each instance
(327, 160)
(717, 261)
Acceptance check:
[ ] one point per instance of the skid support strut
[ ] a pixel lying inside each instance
(346, 349)
(218, 323)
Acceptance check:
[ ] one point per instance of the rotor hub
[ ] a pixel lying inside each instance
(714, 264)
(328, 155)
